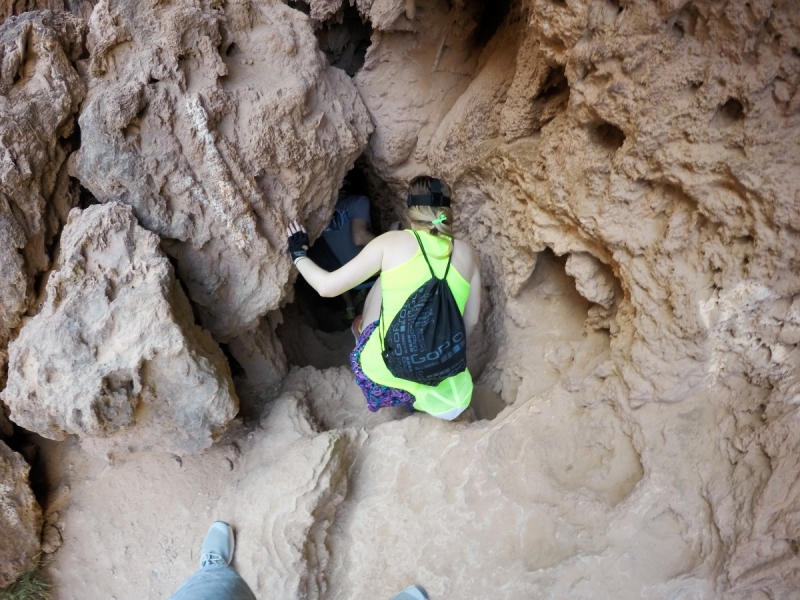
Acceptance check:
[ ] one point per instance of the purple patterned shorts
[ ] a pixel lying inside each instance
(378, 396)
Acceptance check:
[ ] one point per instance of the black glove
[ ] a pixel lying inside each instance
(298, 244)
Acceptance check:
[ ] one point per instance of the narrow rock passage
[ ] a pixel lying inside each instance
(628, 174)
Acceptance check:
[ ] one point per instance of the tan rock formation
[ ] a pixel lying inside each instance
(284, 510)
(114, 355)
(260, 354)
(660, 139)
(81, 8)
(628, 173)
(217, 127)
(39, 96)
(20, 518)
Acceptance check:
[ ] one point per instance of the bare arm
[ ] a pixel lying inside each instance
(472, 309)
(362, 267)
(360, 233)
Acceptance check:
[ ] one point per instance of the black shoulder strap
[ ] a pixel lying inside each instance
(425, 256)
(381, 324)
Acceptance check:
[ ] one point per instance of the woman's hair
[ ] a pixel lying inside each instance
(421, 218)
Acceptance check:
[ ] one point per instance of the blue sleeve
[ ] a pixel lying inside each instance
(358, 208)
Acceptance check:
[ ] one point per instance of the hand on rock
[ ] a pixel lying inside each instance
(298, 241)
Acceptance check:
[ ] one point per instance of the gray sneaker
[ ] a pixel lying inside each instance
(412, 593)
(218, 545)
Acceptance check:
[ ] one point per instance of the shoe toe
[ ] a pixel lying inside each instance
(412, 593)
(219, 541)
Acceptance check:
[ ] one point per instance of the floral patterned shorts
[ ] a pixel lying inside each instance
(378, 396)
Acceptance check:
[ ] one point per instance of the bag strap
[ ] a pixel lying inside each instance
(427, 262)
(381, 323)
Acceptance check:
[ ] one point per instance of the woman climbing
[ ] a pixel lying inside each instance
(413, 263)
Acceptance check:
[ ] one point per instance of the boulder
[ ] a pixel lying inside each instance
(20, 518)
(218, 127)
(114, 356)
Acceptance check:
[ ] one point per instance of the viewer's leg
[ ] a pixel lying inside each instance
(215, 580)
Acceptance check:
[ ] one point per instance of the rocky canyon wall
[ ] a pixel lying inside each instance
(628, 174)
(656, 143)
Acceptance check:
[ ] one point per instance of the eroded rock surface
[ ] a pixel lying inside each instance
(659, 139)
(628, 175)
(114, 355)
(40, 92)
(20, 518)
(217, 126)
(285, 509)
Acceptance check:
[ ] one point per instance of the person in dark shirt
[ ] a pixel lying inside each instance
(349, 231)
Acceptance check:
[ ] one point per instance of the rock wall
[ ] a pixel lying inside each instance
(114, 356)
(628, 173)
(40, 92)
(285, 509)
(578, 118)
(217, 125)
(20, 518)
(660, 139)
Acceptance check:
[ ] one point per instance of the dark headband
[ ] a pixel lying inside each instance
(435, 197)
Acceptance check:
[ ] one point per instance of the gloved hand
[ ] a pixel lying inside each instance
(298, 241)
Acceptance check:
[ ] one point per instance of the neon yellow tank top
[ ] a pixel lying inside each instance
(448, 399)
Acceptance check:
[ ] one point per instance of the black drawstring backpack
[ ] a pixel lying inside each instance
(426, 341)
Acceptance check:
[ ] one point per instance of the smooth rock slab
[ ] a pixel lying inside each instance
(20, 518)
(114, 355)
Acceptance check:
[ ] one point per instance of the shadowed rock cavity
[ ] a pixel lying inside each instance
(343, 36)
(316, 331)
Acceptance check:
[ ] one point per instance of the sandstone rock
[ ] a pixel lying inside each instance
(382, 15)
(284, 508)
(643, 446)
(335, 400)
(114, 355)
(260, 354)
(39, 97)
(389, 15)
(20, 518)
(321, 10)
(82, 8)
(592, 278)
(659, 139)
(217, 128)
(51, 539)
(510, 500)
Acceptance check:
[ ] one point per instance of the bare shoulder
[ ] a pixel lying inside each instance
(464, 247)
(398, 247)
(464, 258)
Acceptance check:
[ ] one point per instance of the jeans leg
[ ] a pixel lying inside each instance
(214, 582)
